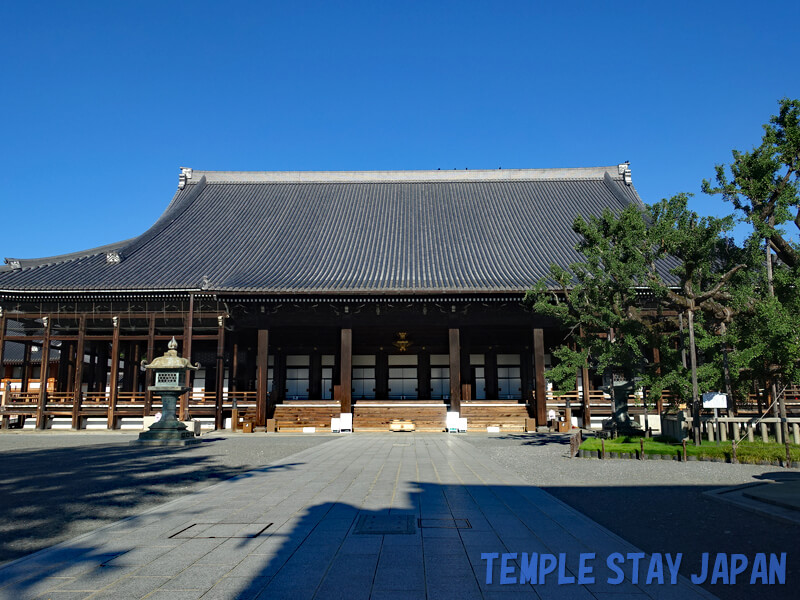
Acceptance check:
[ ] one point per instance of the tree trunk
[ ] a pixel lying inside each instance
(726, 372)
(780, 409)
(695, 393)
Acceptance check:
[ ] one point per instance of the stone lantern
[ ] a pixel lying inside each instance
(169, 369)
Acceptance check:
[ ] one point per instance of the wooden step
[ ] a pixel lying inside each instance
(377, 416)
(294, 415)
(492, 413)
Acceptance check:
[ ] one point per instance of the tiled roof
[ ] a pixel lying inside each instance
(348, 232)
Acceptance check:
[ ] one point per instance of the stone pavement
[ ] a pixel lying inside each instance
(365, 516)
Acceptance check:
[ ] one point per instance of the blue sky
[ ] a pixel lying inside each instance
(101, 102)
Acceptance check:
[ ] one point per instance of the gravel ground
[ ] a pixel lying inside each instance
(56, 486)
(657, 505)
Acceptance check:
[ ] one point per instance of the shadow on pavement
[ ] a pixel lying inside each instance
(45, 493)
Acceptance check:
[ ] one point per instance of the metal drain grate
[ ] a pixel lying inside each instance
(384, 524)
(221, 530)
(445, 524)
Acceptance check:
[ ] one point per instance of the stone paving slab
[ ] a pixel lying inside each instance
(311, 548)
(785, 494)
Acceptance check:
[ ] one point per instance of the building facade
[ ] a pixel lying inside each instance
(303, 295)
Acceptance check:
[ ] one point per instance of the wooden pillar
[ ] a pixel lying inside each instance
(2, 344)
(101, 366)
(69, 381)
(112, 391)
(44, 372)
(490, 374)
(64, 358)
(187, 353)
(424, 375)
(346, 370)
(315, 375)
(263, 408)
(455, 370)
(148, 374)
(381, 374)
(92, 369)
(541, 386)
(5, 391)
(232, 383)
(220, 381)
(78, 381)
(137, 358)
(26, 368)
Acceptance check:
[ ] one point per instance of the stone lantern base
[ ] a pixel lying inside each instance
(168, 431)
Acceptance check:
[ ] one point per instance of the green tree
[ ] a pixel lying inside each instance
(764, 186)
(599, 303)
(644, 267)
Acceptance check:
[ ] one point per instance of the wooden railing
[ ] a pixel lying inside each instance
(95, 398)
(128, 398)
(596, 398)
(23, 398)
(202, 399)
(242, 399)
(60, 398)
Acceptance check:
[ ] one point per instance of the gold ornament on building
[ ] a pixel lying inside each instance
(402, 343)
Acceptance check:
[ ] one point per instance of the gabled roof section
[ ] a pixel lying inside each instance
(367, 232)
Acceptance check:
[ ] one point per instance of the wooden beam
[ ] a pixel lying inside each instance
(112, 387)
(220, 382)
(262, 373)
(78, 381)
(455, 369)
(346, 370)
(148, 374)
(44, 371)
(188, 323)
(541, 385)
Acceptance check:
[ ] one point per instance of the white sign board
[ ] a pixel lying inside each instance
(715, 400)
